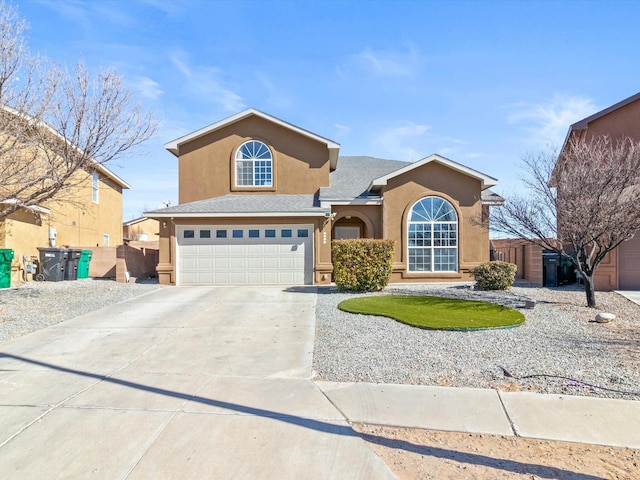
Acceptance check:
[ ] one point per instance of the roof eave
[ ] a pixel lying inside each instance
(485, 180)
(300, 213)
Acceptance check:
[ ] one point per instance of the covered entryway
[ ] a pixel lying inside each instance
(629, 264)
(245, 254)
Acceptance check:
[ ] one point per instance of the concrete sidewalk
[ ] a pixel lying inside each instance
(551, 417)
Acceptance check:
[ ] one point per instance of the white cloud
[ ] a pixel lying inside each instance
(389, 64)
(548, 122)
(399, 141)
(204, 82)
(146, 87)
(341, 130)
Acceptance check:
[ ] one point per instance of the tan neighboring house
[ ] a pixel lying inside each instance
(141, 229)
(260, 201)
(89, 215)
(620, 270)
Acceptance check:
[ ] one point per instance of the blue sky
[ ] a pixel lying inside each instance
(480, 82)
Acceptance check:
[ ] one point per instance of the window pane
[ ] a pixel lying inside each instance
(237, 233)
(244, 172)
(419, 259)
(254, 233)
(286, 233)
(221, 234)
(254, 165)
(303, 233)
(205, 233)
(189, 234)
(270, 233)
(432, 236)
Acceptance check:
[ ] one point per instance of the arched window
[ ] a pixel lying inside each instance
(254, 165)
(433, 236)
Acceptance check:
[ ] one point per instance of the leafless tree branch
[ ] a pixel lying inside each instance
(56, 123)
(581, 204)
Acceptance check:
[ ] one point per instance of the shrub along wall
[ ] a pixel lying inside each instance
(362, 265)
(494, 275)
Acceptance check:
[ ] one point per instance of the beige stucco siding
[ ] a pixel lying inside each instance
(147, 226)
(461, 190)
(78, 221)
(300, 164)
(369, 217)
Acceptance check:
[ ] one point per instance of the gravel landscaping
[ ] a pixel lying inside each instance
(560, 348)
(32, 306)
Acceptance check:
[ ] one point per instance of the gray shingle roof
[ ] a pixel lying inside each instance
(490, 197)
(247, 204)
(353, 175)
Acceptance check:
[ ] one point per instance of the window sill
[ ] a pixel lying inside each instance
(253, 189)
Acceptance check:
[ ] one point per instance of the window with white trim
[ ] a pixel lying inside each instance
(95, 187)
(254, 165)
(432, 234)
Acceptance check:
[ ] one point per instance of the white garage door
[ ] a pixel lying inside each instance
(245, 255)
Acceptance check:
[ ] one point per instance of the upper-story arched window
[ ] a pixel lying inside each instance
(254, 165)
(432, 236)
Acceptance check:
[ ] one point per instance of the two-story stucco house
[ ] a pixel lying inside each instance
(620, 270)
(88, 215)
(260, 201)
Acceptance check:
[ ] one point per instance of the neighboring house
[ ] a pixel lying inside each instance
(620, 270)
(89, 215)
(141, 229)
(260, 201)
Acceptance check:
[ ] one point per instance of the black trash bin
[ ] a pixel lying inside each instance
(550, 267)
(52, 264)
(71, 264)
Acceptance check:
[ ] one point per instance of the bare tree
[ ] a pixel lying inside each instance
(581, 204)
(56, 123)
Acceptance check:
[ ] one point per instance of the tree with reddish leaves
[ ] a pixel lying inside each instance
(581, 204)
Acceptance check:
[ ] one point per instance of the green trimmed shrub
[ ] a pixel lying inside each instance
(362, 265)
(494, 275)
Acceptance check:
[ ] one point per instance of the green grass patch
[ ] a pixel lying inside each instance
(436, 312)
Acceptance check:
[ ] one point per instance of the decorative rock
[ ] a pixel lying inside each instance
(605, 317)
(529, 303)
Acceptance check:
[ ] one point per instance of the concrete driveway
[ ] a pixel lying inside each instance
(179, 383)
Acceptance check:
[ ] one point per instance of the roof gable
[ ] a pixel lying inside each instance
(485, 180)
(584, 123)
(174, 145)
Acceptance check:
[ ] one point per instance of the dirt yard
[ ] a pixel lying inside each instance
(427, 454)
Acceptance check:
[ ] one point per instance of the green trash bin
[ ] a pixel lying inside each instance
(83, 264)
(6, 256)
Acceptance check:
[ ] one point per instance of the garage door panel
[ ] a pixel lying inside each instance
(246, 260)
(254, 263)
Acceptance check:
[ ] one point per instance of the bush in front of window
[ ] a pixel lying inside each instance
(362, 265)
(494, 275)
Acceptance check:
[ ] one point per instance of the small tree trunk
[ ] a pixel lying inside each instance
(590, 291)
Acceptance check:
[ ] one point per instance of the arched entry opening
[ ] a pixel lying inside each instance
(348, 227)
